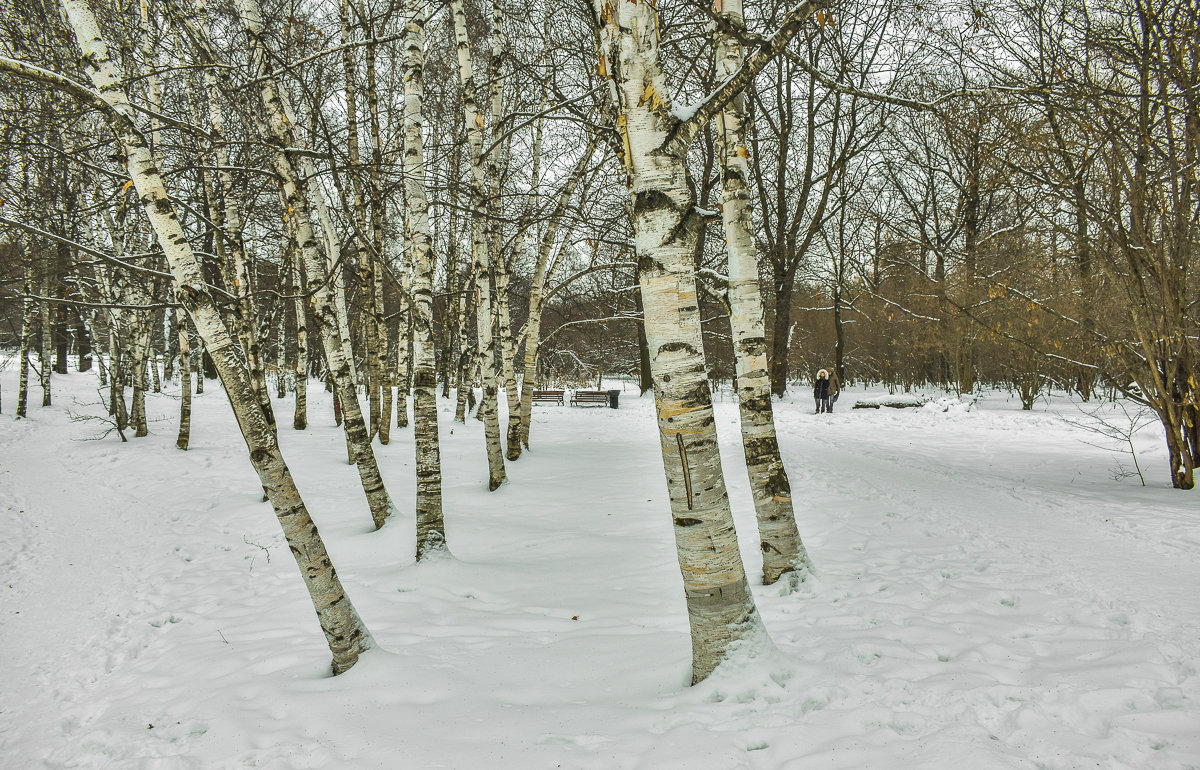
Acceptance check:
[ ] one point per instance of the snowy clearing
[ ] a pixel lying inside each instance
(992, 592)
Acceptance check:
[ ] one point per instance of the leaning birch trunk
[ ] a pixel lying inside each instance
(782, 550)
(278, 133)
(185, 380)
(721, 609)
(431, 529)
(344, 630)
(481, 248)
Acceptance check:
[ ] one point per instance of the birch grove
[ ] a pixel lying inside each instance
(389, 198)
(344, 631)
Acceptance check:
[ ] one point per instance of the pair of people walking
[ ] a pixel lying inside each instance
(825, 391)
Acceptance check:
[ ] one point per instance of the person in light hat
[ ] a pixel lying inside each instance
(824, 392)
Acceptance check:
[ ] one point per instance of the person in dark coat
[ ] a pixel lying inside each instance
(822, 391)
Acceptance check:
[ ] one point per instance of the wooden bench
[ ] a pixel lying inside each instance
(549, 396)
(589, 397)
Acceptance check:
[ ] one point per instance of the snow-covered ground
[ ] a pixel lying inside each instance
(991, 592)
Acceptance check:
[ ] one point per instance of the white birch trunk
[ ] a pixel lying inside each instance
(156, 381)
(281, 343)
(110, 294)
(46, 340)
(721, 609)
(139, 355)
(507, 374)
(300, 416)
(481, 249)
(782, 550)
(465, 356)
(382, 341)
(508, 354)
(185, 381)
(368, 263)
(344, 631)
(431, 529)
(405, 331)
(29, 306)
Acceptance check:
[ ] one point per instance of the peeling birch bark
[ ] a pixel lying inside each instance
(344, 630)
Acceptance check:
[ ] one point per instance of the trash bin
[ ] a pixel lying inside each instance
(613, 395)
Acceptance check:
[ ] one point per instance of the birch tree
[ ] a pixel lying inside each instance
(482, 238)
(782, 550)
(721, 610)
(431, 529)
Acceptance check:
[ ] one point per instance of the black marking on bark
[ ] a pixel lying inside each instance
(649, 201)
(687, 474)
(672, 347)
(757, 404)
(689, 225)
(697, 396)
(759, 449)
(648, 264)
(777, 481)
(681, 522)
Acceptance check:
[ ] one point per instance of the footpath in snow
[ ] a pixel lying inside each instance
(991, 592)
